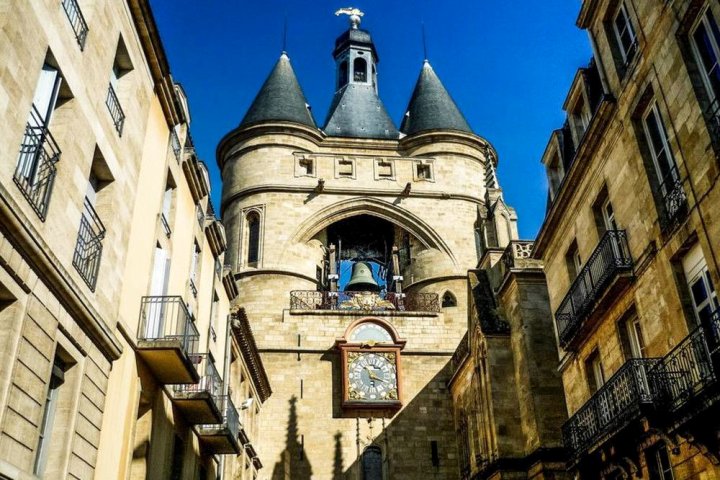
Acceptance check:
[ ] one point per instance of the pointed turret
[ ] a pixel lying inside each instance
(356, 110)
(280, 98)
(431, 107)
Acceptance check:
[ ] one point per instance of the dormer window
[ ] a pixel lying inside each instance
(580, 115)
(360, 70)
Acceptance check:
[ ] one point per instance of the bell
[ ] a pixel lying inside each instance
(362, 279)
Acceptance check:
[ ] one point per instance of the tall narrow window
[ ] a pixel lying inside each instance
(342, 74)
(663, 162)
(178, 454)
(253, 239)
(360, 70)
(121, 66)
(57, 379)
(194, 264)
(573, 261)
(167, 204)
(632, 337)
(372, 466)
(555, 174)
(658, 462)
(608, 214)
(706, 46)
(702, 291)
(594, 372)
(624, 34)
(35, 170)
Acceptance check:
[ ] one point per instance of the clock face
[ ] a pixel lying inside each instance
(372, 376)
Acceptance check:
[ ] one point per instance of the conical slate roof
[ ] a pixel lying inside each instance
(431, 107)
(280, 98)
(358, 112)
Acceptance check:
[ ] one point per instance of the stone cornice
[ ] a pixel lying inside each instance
(587, 12)
(38, 255)
(450, 136)
(242, 334)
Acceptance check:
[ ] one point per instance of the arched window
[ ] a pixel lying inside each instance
(360, 70)
(253, 238)
(372, 466)
(343, 74)
(449, 300)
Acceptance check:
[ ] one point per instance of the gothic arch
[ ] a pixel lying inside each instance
(377, 208)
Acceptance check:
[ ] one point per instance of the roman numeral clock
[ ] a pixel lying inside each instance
(371, 373)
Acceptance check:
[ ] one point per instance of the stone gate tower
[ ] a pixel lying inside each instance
(360, 377)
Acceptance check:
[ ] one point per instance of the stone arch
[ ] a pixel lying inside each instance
(377, 208)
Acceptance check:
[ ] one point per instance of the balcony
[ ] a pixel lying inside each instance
(623, 399)
(200, 402)
(609, 268)
(690, 369)
(222, 438)
(175, 145)
(88, 248)
(77, 21)
(35, 172)
(364, 301)
(116, 111)
(168, 340)
(674, 200)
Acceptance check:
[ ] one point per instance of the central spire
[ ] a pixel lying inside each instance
(356, 109)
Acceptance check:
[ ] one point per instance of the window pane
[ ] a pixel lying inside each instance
(699, 292)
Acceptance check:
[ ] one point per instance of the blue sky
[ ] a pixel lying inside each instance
(507, 64)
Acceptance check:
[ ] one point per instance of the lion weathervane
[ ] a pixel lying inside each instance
(353, 13)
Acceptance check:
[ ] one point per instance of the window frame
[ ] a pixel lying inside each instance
(656, 470)
(703, 20)
(609, 219)
(654, 110)
(695, 273)
(629, 55)
(594, 371)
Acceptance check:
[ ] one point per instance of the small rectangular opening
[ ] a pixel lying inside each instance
(345, 168)
(423, 171)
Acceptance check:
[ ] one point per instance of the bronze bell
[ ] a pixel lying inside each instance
(362, 279)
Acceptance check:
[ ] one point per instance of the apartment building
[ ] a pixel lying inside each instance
(630, 242)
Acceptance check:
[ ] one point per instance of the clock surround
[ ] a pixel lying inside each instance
(370, 352)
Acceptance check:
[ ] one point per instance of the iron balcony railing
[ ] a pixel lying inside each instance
(674, 199)
(35, 171)
(610, 258)
(193, 287)
(175, 145)
(88, 248)
(230, 417)
(210, 380)
(77, 21)
(364, 301)
(200, 215)
(116, 111)
(713, 118)
(613, 406)
(166, 318)
(165, 225)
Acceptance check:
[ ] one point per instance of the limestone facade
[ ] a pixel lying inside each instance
(116, 302)
(630, 239)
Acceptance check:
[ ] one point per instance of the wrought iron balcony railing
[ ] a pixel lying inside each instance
(713, 119)
(77, 21)
(165, 224)
(35, 171)
(674, 199)
(210, 381)
(200, 215)
(88, 248)
(230, 417)
(617, 403)
(364, 301)
(116, 111)
(610, 258)
(166, 318)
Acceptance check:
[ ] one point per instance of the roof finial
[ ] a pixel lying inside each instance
(353, 13)
(424, 39)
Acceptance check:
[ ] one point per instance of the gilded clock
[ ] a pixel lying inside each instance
(371, 373)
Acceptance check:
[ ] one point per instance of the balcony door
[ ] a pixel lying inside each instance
(155, 322)
(702, 291)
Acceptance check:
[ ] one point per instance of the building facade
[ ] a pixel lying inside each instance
(123, 353)
(351, 245)
(630, 239)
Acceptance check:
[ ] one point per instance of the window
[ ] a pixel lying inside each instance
(658, 462)
(580, 116)
(608, 215)
(57, 379)
(702, 291)
(631, 336)
(624, 34)
(573, 261)
(122, 65)
(594, 372)
(434, 454)
(178, 455)
(88, 248)
(384, 169)
(35, 170)
(345, 168)
(253, 239)
(360, 70)
(423, 171)
(555, 174)
(604, 213)
(167, 208)
(307, 166)
(706, 45)
(663, 162)
(449, 300)
(214, 313)
(194, 264)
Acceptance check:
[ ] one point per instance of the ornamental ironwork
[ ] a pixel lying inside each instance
(674, 200)
(88, 248)
(610, 258)
(115, 109)
(516, 250)
(77, 21)
(364, 301)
